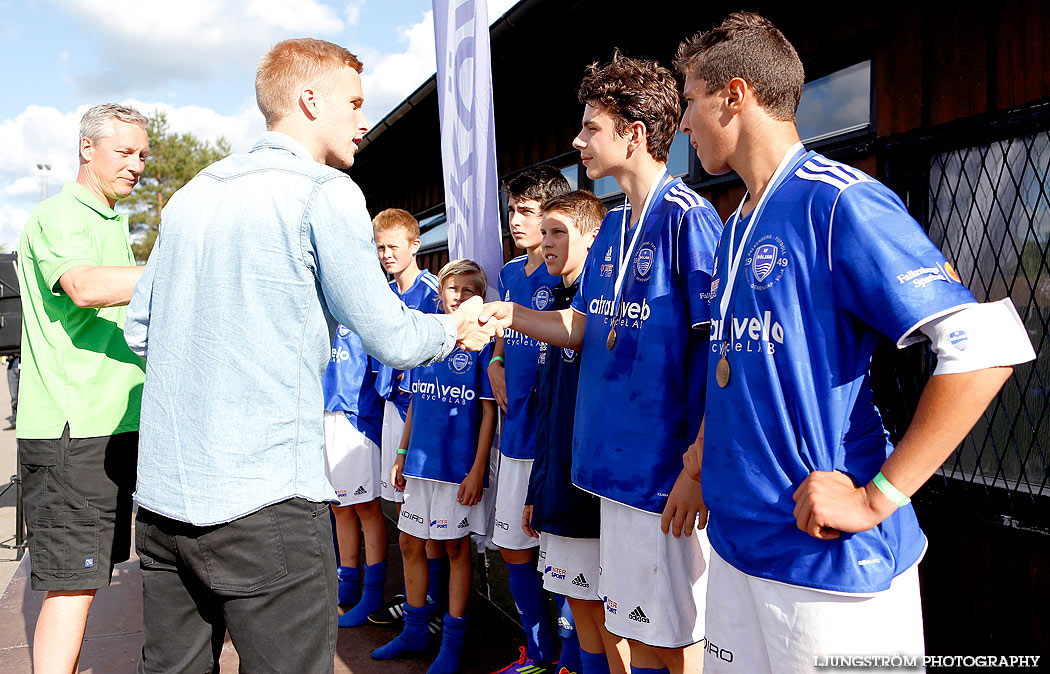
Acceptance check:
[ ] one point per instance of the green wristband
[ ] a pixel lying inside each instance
(891, 492)
(500, 359)
(402, 450)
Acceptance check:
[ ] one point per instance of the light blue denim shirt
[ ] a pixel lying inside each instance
(258, 257)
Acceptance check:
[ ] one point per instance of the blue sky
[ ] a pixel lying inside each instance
(195, 59)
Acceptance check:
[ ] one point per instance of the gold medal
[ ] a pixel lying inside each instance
(611, 341)
(722, 372)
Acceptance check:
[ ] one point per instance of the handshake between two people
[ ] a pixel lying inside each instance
(478, 323)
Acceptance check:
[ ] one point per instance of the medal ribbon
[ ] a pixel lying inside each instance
(621, 273)
(778, 177)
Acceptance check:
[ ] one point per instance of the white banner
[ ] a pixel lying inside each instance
(468, 136)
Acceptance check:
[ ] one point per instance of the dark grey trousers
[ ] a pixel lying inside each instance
(269, 578)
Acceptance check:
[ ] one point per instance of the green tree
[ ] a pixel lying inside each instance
(174, 159)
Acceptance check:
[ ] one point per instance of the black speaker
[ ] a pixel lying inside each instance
(10, 306)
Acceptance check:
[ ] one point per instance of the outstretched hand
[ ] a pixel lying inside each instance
(471, 333)
(498, 314)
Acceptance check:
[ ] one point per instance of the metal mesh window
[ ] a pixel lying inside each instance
(989, 211)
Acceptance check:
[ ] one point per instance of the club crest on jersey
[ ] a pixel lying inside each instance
(959, 339)
(459, 362)
(764, 261)
(568, 355)
(342, 331)
(767, 261)
(643, 263)
(542, 298)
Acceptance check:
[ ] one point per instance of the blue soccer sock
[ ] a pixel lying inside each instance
(526, 586)
(437, 587)
(647, 670)
(594, 663)
(414, 637)
(349, 584)
(447, 660)
(570, 644)
(371, 596)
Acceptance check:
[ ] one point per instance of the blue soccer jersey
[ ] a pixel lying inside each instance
(534, 290)
(640, 403)
(446, 415)
(832, 261)
(423, 295)
(349, 385)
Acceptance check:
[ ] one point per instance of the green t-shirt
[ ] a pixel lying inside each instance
(76, 366)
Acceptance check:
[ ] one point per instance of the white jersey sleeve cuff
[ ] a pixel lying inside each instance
(979, 336)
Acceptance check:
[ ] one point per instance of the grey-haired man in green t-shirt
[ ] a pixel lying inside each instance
(81, 385)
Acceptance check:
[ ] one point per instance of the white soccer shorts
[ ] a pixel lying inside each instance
(758, 626)
(654, 585)
(351, 461)
(511, 489)
(570, 566)
(430, 511)
(391, 440)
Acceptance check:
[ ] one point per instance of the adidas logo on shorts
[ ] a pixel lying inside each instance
(581, 581)
(638, 615)
(360, 490)
(464, 524)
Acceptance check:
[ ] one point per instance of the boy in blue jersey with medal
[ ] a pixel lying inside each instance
(640, 321)
(442, 467)
(563, 517)
(512, 373)
(814, 542)
(397, 241)
(353, 421)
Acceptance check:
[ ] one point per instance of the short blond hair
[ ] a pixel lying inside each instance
(292, 64)
(396, 218)
(464, 267)
(584, 209)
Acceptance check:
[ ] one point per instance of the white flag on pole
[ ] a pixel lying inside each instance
(468, 136)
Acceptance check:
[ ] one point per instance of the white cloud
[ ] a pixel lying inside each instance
(240, 129)
(390, 78)
(24, 186)
(496, 8)
(12, 220)
(205, 23)
(353, 12)
(39, 135)
(394, 76)
(150, 43)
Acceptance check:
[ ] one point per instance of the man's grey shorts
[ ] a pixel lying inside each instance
(77, 495)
